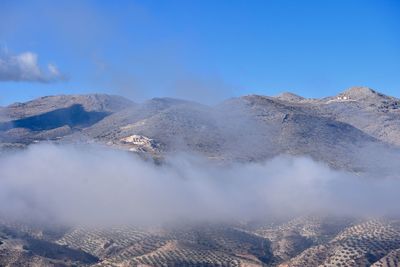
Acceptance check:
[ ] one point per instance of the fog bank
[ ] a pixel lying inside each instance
(92, 185)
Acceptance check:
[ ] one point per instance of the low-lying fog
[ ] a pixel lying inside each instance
(92, 185)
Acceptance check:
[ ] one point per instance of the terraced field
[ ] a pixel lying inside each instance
(187, 246)
(390, 260)
(302, 241)
(359, 245)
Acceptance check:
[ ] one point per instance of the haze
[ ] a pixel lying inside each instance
(92, 185)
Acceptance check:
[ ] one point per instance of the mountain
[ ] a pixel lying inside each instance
(52, 117)
(374, 113)
(248, 128)
(350, 131)
(94, 102)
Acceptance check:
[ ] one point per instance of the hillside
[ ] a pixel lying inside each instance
(249, 128)
(357, 130)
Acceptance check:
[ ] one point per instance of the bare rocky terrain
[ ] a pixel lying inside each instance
(249, 128)
(338, 131)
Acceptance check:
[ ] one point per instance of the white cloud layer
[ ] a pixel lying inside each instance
(90, 185)
(25, 67)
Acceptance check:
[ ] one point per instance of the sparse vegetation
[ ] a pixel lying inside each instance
(303, 241)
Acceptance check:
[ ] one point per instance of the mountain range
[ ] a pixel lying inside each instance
(335, 130)
(357, 130)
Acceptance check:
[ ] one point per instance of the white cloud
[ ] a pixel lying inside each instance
(25, 67)
(94, 185)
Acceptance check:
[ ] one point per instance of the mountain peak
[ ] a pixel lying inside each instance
(359, 93)
(287, 96)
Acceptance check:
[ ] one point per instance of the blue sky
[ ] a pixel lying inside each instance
(198, 49)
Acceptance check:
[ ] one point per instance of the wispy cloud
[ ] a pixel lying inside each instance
(25, 67)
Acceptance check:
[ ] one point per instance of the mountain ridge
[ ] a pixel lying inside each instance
(246, 128)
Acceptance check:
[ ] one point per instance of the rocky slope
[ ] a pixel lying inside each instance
(249, 128)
